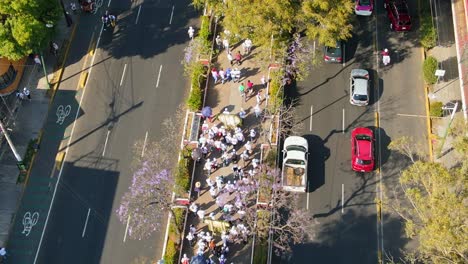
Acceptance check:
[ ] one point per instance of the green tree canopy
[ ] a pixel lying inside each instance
(327, 21)
(432, 201)
(23, 26)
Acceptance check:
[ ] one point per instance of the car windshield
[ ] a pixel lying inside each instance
(334, 50)
(364, 2)
(297, 148)
(363, 162)
(402, 8)
(363, 137)
(360, 97)
(295, 162)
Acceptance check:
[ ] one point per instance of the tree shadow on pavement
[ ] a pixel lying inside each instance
(350, 239)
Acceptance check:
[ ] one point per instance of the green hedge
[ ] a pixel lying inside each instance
(430, 65)
(182, 177)
(205, 28)
(195, 99)
(428, 35)
(275, 91)
(435, 109)
(172, 248)
(171, 256)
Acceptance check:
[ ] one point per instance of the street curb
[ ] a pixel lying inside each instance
(426, 100)
(59, 73)
(428, 118)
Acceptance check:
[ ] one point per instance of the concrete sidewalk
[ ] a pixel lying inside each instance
(25, 119)
(447, 89)
(223, 97)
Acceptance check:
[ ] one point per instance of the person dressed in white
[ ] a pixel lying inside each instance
(236, 75)
(208, 165)
(255, 163)
(226, 44)
(257, 111)
(201, 214)
(248, 147)
(193, 207)
(385, 57)
(247, 46)
(191, 32)
(240, 137)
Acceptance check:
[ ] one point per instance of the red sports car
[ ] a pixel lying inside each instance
(397, 12)
(362, 149)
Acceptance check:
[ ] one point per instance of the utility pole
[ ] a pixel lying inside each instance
(10, 143)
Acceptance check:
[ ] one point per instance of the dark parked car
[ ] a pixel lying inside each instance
(333, 54)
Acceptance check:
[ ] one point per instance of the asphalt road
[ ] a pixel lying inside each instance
(342, 201)
(134, 85)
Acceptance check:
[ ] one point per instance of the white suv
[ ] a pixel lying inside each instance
(359, 87)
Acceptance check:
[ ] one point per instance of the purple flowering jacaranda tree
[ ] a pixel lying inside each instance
(149, 197)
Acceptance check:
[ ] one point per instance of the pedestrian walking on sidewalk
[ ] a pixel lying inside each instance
(54, 48)
(253, 135)
(226, 44)
(242, 90)
(185, 260)
(219, 42)
(247, 45)
(257, 111)
(228, 74)
(193, 207)
(27, 93)
(190, 238)
(242, 113)
(238, 58)
(222, 75)
(236, 75)
(248, 147)
(230, 58)
(20, 95)
(191, 32)
(38, 62)
(215, 75)
(263, 81)
(259, 97)
(249, 87)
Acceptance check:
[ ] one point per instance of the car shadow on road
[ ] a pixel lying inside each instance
(316, 162)
(376, 87)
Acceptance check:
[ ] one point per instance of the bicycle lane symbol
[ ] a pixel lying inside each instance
(62, 113)
(29, 221)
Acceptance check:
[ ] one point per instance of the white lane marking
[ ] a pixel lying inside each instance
(172, 14)
(123, 74)
(68, 144)
(159, 76)
(126, 228)
(311, 114)
(307, 205)
(105, 143)
(86, 223)
(138, 14)
(342, 198)
(144, 145)
(343, 122)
